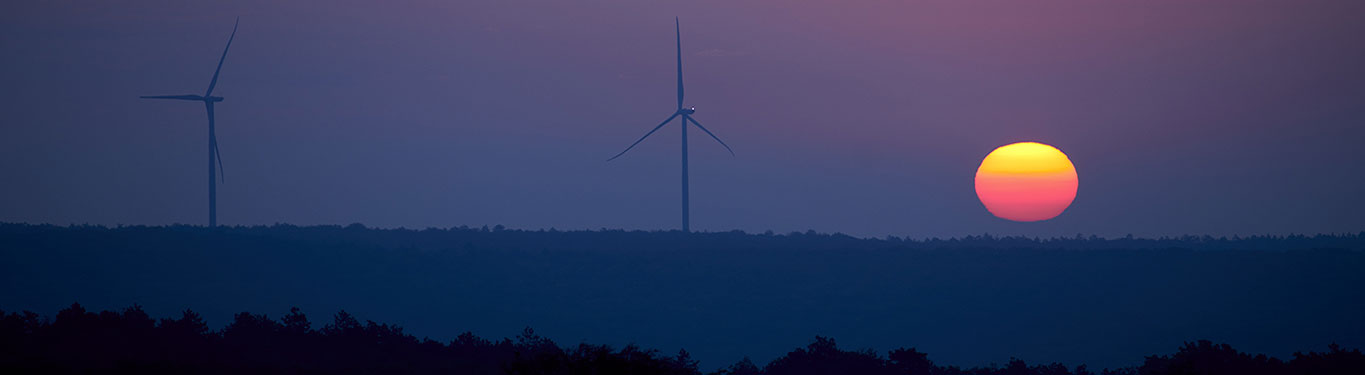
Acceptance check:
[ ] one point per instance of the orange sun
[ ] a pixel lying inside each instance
(1026, 181)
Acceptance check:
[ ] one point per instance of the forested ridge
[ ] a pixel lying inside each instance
(609, 239)
(130, 341)
(968, 302)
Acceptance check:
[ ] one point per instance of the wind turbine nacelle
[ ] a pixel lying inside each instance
(688, 110)
(214, 99)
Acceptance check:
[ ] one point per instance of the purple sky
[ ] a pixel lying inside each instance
(865, 117)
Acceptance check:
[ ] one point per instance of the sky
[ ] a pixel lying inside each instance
(863, 117)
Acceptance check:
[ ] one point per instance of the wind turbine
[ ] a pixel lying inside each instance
(686, 114)
(208, 100)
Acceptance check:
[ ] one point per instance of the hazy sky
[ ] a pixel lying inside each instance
(864, 117)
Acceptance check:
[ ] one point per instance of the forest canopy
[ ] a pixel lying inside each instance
(130, 341)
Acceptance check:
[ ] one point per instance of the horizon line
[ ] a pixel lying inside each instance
(808, 232)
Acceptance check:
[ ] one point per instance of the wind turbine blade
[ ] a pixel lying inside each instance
(708, 132)
(178, 97)
(656, 128)
(214, 82)
(209, 106)
(677, 29)
(221, 175)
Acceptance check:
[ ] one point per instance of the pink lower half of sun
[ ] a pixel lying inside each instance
(1026, 197)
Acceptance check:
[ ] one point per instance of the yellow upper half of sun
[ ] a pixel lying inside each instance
(1029, 158)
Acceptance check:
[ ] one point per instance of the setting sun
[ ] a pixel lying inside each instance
(1026, 181)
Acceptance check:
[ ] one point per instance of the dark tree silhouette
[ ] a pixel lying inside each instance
(130, 341)
(909, 362)
(824, 357)
(743, 367)
(1204, 357)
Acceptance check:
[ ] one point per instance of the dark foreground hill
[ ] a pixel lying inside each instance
(722, 296)
(80, 341)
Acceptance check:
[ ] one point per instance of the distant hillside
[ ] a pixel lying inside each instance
(970, 301)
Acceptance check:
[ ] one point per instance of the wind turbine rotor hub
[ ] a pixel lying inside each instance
(688, 110)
